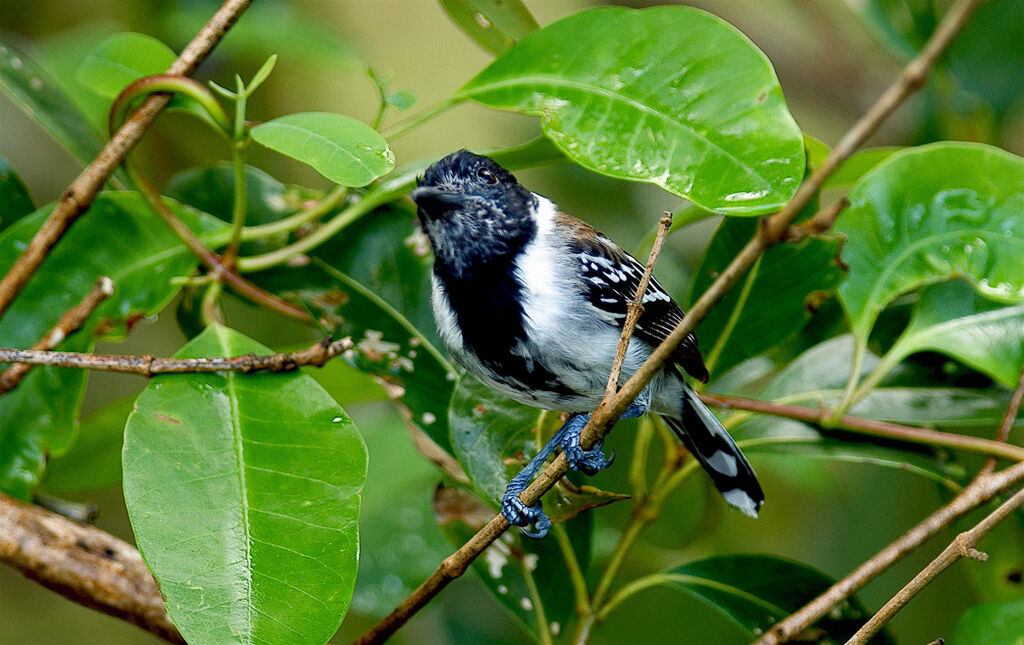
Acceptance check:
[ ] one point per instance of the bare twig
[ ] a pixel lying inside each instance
(772, 230)
(980, 490)
(316, 354)
(83, 564)
(822, 222)
(872, 427)
(962, 546)
(636, 306)
(68, 324)
(83, 190)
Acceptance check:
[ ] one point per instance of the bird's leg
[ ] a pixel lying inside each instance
(568, 439)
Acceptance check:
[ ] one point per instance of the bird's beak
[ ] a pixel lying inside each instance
(432, 199)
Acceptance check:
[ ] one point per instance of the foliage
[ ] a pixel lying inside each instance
(924, 267)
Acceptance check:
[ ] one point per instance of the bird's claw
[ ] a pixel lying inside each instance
(519, 514)
(589, 461)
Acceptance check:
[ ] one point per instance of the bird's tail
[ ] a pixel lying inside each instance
(710, 443)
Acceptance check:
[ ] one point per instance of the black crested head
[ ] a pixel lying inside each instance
(474, 212)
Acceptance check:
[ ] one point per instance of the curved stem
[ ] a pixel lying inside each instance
(543, 628)
(327, 203)
(846, 401)
(419, 119)
(888, 363)
(239, 208)
(631, 588)
(175, 85)
(572, 563)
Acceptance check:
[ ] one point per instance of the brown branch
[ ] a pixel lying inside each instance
(871, 427)
(962, 546)
(83, 564)
(316, 354)
(68, 324)
(83, 190)
(636, 306)
(981, 489)
(821, 223)
(773, 228)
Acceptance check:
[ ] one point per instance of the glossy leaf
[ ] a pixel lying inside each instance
(122, 59)
(951, 318)
(668, 95)
(771, 302)
(39, 416)
(346, 151)
(35, 92)
(997, 623)
(94, 461)
(373, 284)
(756, 591)
(15, 201)
(961, 215)
(520, 572)
(267, 468)
(496, 25)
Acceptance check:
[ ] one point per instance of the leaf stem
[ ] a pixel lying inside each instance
(239, 207)
(543, 628)
(572, 563)
(327, 203)
(418, 119)
(859, 349)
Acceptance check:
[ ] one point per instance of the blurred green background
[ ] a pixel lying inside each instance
(832, 59)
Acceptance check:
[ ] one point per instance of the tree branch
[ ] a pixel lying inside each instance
(83, 564)
(83, 190)
(772, 230)
(316, 354)
(871, 427)
(68, 324)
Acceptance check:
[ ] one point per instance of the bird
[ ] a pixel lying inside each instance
(531, 301)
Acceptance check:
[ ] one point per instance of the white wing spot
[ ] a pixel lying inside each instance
(723, 463)
(741, 500)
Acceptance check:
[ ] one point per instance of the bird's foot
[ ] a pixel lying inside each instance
(589, 461)
(519, 514)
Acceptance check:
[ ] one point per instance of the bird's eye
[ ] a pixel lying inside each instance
(486, 176)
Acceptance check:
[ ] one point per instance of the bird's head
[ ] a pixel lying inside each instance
(473, 210)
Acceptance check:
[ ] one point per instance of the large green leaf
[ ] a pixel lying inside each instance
(951, 318)
(495, 25)
(772, 301)
(39, 416)
(756, 591)
(122, 59)
(34, 91)
(526, 576)
(373, 283)
(346, 151)
(997, 623)
(928, 214)
(15, 201)
(266, 470)
(668, 95)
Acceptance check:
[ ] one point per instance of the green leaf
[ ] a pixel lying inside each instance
(997, 623)
(39, 416)
(15, 201)
(953, 319)
(373, 284)
(346, 151)
(121, 60)
(496, 25)
(267, 468)
(35, 92)
(858, 164)
(401, 100)
(756, 591)
(94, 461)
(961, 216)
(668, 95)
(526, 576)
(771, 303)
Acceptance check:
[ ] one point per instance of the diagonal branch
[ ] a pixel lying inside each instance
(69, 323)
(772, 230)
(83, 190)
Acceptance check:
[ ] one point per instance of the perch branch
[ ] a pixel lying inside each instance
(83, 190)
(980, 490)
(84, 564)
(68, 324)
(316, 354)
(772, 229)
(962, 546)
(871, 427)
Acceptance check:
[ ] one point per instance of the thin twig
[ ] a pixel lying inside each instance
(773, 229)
(821, 223)
(1012, 410)
(68, 324)
(83, 564)
(83, 190)
(981, 489)
(316, 354)
(962, 546)
(636, 306)
(871, 427)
